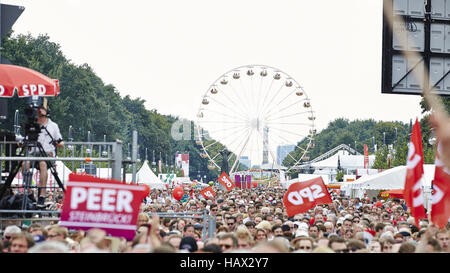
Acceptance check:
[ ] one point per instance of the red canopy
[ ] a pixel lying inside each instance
(26, 81)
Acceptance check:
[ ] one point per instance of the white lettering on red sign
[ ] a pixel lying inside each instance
(209, 194)
(312, 193)
(30, 90)
(2, 90)
(226, 181)
(98, 199)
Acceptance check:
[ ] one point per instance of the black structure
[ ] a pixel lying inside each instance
(225, 153)
(429, 18)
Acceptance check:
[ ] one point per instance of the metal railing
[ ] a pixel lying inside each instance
(209, 222)
(101, 159)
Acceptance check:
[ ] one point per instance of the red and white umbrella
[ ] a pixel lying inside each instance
(27, 82)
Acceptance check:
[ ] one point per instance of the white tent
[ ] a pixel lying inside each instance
(346, 160)
(61, 169)
(390, 179)
(304, 177)
(146, 176)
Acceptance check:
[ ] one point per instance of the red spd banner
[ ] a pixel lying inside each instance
(111, 205)
(226, 181)
(440, 209)
(414, 175)
(302, 196)
(208, 193)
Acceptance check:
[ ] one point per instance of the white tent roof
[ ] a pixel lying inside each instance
(146, 176)
(346, 160)
(304, 177)
(390, 179)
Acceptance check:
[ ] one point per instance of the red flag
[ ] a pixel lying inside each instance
(366, 157)
(226, 181)
(414, 174)
(208, 193)
(302, 196)
(440, 209)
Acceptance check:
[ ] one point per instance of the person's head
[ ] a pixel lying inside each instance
(261, 235)
(348, 224)
(322, 242)
(180, 225)
(442, 236)
(175, 240)
(433, 246)
(231, 222)
(337, 244)
(354, 245)
(188, 244)
(318, 218)
(313, 231)
(57, 233)
(228, 242)
(10, 231)
(329, 227)
(277, 230)
(143, 218)
(188, 230)
(213, 209)
(49, 247)
(375, 246)
(304, 244)
(387, 245)
(407, 247)
(21, 242)
(258, 219)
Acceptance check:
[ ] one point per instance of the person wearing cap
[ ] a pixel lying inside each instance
(50, 138)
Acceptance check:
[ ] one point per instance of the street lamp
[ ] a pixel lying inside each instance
(384, 138)
(396, 136)
(104, 153)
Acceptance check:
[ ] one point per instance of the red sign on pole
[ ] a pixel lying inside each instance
(208, 193)
(302, 196)
(226, 181)
(366, 157)
(111, 205)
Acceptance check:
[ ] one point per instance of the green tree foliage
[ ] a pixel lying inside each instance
(383, 134)
(87, 104)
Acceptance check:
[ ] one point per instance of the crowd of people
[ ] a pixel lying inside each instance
(250, 221)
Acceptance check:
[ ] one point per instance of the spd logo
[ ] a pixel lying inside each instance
(225, 180)
(302, 196)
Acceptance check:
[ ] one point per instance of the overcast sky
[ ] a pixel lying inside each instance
(169, 52)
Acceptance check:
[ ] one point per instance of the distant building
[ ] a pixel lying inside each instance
(283, 151)
(244, 160)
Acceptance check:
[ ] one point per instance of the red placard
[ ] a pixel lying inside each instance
(302, 196)
(226, 181)
(91, 202)
(208, 193)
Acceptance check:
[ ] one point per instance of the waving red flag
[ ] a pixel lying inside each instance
(414, 175)
(440, 209)
(302, 196)
(208, 193)
(226, 181)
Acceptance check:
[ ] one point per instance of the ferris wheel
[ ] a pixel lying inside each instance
(258, 113)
